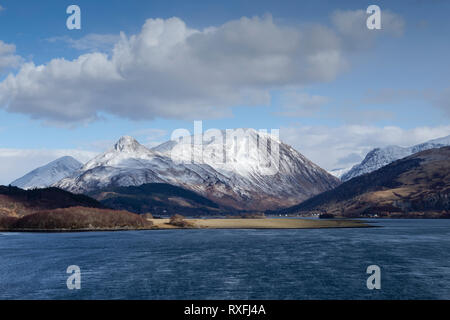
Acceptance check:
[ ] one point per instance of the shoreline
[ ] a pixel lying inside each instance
(198, 224)
(265, 223)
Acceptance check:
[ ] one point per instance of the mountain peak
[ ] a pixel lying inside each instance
(48, 174)
(380, 157)
(127, 143)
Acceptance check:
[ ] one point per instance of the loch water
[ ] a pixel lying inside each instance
(413, 256)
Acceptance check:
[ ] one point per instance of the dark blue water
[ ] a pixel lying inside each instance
(414, 257)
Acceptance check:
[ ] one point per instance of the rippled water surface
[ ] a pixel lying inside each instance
(414, 257)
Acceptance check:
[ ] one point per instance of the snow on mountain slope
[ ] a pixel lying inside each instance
(239, 179)
(435, 143)
(257, 161)
(381, 157)
(49, 174)
(339, 172)
(129, 163)
(238, 153)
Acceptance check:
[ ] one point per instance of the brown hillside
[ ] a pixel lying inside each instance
(416, 186)
(16, 202)
(76, 218)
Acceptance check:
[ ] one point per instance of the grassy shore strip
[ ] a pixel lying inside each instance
(163, 224)
(262, 224)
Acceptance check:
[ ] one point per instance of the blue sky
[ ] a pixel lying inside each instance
(369, 89)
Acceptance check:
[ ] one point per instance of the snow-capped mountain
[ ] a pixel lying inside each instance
(435, 143)
(339, 172)
(257, 162)
(49, 174)
(237, 179)
(380, 157)
(129, 163)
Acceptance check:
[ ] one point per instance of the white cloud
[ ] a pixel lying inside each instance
(169, 70)
(341, 147)
(18, 162)
(8, 57)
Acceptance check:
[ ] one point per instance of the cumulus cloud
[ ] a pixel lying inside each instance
(8, 57)
(341, 147)
(18, 162)
(169, 70)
